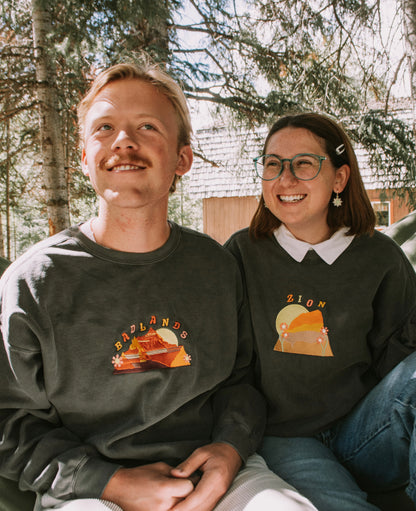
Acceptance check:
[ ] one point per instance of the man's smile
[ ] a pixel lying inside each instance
(124, 167)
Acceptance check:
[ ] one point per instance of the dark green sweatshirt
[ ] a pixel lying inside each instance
(120, 359)
(4, 263)
(325, 334)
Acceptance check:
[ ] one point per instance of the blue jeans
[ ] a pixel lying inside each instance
(373, 448)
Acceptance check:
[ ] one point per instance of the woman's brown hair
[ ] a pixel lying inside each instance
(356, 212)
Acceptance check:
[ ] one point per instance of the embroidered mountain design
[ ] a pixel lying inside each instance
(150, 351)
(302, 332)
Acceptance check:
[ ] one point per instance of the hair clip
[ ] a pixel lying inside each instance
(340, 149)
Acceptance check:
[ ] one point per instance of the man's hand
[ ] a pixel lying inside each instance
(219, 464)
(149, 487)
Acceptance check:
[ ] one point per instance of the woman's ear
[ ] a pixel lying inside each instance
(342, 175)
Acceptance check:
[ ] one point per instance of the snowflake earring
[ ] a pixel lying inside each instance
(337, 201)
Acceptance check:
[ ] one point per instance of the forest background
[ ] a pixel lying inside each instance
(240, 62)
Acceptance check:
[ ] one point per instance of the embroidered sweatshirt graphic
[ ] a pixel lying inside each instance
(151, 351)
(302, 332)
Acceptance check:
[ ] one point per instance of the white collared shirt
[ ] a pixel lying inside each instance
(328, 250)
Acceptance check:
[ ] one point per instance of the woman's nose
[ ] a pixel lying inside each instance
(287, 175)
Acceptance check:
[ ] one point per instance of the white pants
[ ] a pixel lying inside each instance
(255, 488)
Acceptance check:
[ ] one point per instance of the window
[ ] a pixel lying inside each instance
(382, 211)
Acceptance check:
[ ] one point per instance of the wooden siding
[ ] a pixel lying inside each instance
(398, 208)
(225, 215)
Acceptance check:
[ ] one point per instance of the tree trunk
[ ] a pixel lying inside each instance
(1, 237)
(55, 183)
(7, 201)
(7, 170)
(409, 22)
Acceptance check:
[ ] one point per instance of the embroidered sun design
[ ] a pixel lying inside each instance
(117, 361)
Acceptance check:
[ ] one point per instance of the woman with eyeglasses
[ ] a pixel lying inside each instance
(333, 306)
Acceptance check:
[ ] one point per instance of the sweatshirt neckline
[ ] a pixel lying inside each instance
(128, 257)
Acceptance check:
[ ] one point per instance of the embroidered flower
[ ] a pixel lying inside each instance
(319, 340)
(187, 358)
(283, 326)
(117, 361)
(324, 330)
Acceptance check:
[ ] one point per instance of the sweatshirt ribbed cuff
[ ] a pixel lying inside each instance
(92, 477)
(238, 437)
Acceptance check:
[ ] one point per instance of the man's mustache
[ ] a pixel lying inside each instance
(109, 163)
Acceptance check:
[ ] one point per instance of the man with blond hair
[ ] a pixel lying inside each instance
(126, 342)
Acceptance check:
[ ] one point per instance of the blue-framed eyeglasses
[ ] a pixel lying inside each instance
(303, 166)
